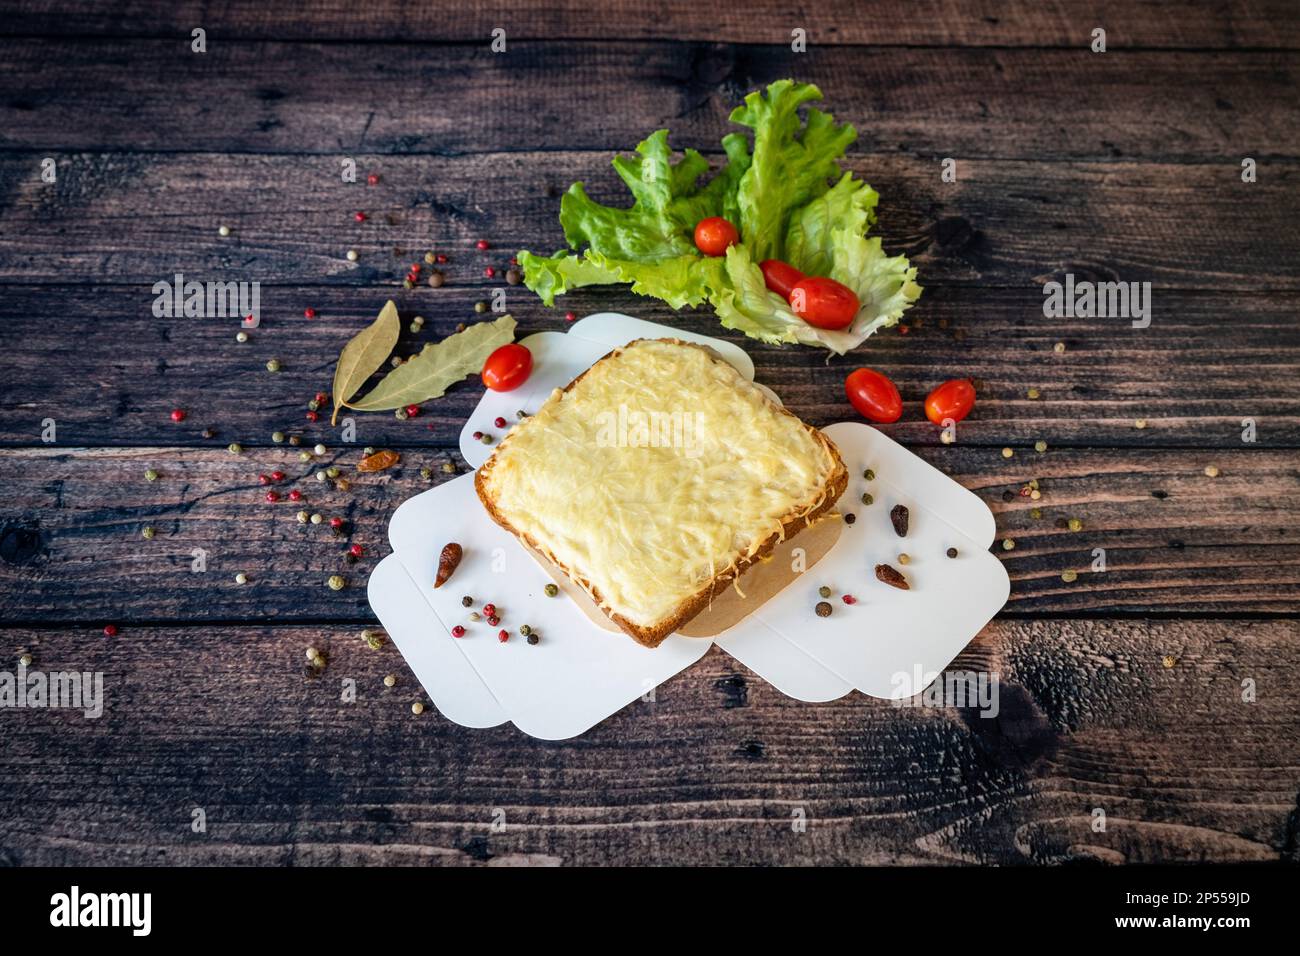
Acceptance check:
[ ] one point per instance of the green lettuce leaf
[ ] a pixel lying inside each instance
(792, 163)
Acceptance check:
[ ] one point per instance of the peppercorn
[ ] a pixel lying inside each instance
(316, 519)
(277, 437)
(1068, 576)
(551, 590)
(320, 475)
(514, 276)
(241, 578)
(436, 279)
(151, 475)
(320, 449)
(223, 231)
(303, 517)
(525, 630)
(352, 255)
(448, 468)
(1211, 471)
(458, 631)
(475, 616)
(850, 518)
(1008, 544)
(401, 415)
(408, 283)
(430, 258)
(486, 439)
(426, 473)
(295, 440)
(342, 484)
(570, 316)
(390, 680)
(467, 601)
(1033, 393)
(332, 471)
(336, 582)
(867, 499)
(824, 591)
(417, 708)
(480, 307)
(1076, 524)
(1040, 446)
(482, 244)
(273, 365)
(147, 532)
(241, 336)
(904, 558)
(26, 659)
(823, 609)
(533, 639)
(503, 635)
(208, 433)
(849, 599)
(869, 475)
(1008, 452)
(1059, 347)
(304, 456)
(951, 552)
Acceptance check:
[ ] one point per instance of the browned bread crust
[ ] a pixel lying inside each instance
(693, 605)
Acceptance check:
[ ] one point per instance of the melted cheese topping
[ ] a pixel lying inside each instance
(659, 469)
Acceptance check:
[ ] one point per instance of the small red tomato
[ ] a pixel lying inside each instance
(507, 368)
(780, 277)
(953, 399)
(874, 396)
(824, 303)
(713, 235)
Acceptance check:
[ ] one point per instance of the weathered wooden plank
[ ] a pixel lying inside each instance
(713, 771)
(96, 360)
(271, 97)
(1179, 24)
(137, 218)
(1176, 541)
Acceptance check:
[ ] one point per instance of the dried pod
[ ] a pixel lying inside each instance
(892, 576)
(899, 515)
(379, 461)
(448, 561)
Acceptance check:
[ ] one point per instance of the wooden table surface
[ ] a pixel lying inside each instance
(1121, 691)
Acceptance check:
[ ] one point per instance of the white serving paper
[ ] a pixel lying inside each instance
(890, 644)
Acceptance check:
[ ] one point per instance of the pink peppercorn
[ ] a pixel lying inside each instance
(849, 599)
(458, 631)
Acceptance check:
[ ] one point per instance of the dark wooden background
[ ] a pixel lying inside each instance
(1121, 690)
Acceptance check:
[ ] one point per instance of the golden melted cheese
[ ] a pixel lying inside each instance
(659, 469)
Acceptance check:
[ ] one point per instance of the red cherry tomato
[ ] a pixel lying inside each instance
(507, 367)
(953, 399)
(781, 277)
(713, 235)
(823, 302)
(873, 395)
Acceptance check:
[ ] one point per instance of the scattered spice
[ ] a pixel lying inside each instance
(223, 231)
(823, 609)
(417, 708)
(551, 590)
(26, 660)
(241, 578)
(1075, 524)
(525, 630)
(303, 517)
(824, 591)
(436, 279)
(951, 552)
(570, 316)
(1169, 661)
(850, 518)
(390, 680)
(352, 255)
(849, 599)
(1058, 347)
(151, 475)
(379, 461)
(1008, 544)
(316, 519)
(904, 558)
(867, 499)
(1033, 393)
(1211, 471)
(1140, 423)
(899, 516)
(448, 561)
(892, 576)
(178, 414)
(277, 437)
(241, 337)
(448, 468)
(869, 475)
(336, 582)
(1040, 446)
(458, 631)
(1068, 576)
(110, 630)
(480, 307)
(147, 532)
(1008, 452)
(503, 635)
(499, 422)
(273, 365)
(514, 276)
(533, 638)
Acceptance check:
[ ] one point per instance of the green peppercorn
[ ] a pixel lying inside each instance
(480, 307)
(869, 475)
(486, 439)
(336, 582)
(241, 578)
(304, 456)
(235, 448)
(313, 405)
(374, 640)
(824, 591)
(151, 475)
(273, 365)
(448, 468)
(867, 499)
(408, 284)
(551, 590)
(277, 437)
(426, 473)
(525, 630)
(400, 415)
(147, 532)
(303, 517)
(332, 471)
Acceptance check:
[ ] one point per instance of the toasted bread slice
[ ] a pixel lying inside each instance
(655, 478)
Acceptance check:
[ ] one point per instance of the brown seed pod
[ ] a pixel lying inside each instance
(899, 515)
(448, 561)
(379, 461)
(892, 576)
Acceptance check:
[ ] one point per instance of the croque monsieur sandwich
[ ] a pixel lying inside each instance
(655, 478)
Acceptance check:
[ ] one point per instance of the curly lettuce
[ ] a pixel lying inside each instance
(789, 199)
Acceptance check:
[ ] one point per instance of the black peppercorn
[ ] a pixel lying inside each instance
(823, 609)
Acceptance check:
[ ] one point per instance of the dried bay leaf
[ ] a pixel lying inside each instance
(363, 355)
(438, 366)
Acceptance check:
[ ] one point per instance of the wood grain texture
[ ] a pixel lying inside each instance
(294, 98)
(1170, 23)
(1176, 541)
(137, 219)
(713, 771)
(1207, 362)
